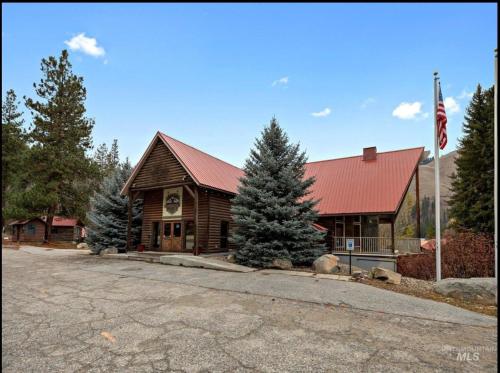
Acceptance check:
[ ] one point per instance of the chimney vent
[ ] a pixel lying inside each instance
(370, 154)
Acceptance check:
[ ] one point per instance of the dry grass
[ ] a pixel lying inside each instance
(423, 289)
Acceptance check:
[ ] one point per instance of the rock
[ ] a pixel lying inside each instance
(82, 246)
(386, 275)
(281, 264)
(109, 250)
(359, 275)
(326, 264)
(477, 289)
(231, 259)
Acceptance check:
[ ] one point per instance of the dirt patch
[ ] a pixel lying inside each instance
(423, 289)
(54, 245)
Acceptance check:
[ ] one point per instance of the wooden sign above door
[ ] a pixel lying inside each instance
(172, 203)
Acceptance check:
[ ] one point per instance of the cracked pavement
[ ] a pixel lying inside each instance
(59, 305)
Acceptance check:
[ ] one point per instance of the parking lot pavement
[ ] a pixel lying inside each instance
(66, 313)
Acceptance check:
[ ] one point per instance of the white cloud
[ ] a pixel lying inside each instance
(281, 81)
(323, 113)
(86, 45)
(465, 94)
(369, 101)
(451, 106)
(407, 110)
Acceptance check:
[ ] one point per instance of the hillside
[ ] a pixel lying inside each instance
(446, 168)
(405, 220)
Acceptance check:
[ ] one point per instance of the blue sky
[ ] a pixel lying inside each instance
(338, 77)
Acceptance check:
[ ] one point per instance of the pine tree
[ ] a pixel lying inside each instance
(108, 216)
(107, 160)
(472, 186)
(272, 214)
(14, 148)
(60, 135)
(113, 155)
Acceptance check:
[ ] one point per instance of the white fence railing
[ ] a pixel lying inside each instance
(378, 245)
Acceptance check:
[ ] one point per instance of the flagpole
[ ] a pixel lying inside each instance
(437, 201)
(495, 172)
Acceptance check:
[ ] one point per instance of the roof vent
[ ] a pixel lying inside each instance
(370, 154)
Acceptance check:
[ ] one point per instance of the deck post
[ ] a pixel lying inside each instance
(392, 235)
(196, 221)
(129, 222)
(417, 189)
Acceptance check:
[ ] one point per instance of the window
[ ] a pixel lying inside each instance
(189, 235)
(30, 229)
(224, 233)
(54, 230)
(167, 230)
(177, 229)
(155, 239)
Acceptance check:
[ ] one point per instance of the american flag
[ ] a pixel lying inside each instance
(441, 120)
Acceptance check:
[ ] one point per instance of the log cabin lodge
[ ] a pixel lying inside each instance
(187, 198)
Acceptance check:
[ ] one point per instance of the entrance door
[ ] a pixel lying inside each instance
(172, 236)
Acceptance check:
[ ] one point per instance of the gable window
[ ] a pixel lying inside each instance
(224, 233)
(30, 229)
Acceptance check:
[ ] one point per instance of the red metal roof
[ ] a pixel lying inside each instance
(205, 169)
(351, 185)
(344, 186)
(61, 221)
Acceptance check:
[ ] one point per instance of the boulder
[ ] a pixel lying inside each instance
(109, 250)
(386, 275)
(480, 290)
(82, 246)
(359, 275)
(327, 263)
(281, 264)
(231, 259)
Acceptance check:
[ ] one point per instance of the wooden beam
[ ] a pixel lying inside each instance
(129, 222)
(392, 235)
(196, 221)
(190, 191)
(417, 192)
(163, 186)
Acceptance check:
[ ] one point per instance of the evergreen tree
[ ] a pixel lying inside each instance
(108, 216)
(101, 156)
(107, 160)
(472, 186)
(272, 214)
(14, 148)
(60, 170)
(113, 155)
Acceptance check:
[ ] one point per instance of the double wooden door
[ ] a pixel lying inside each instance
(172, 236)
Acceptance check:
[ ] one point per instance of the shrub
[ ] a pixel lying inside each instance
(464, 255)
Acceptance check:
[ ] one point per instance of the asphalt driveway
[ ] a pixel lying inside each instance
(64, 312)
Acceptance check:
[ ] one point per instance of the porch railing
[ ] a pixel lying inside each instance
(377, 245)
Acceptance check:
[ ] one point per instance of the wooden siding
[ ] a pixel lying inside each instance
(152, 211)
(328, 223)
(219, 211)
(37, 236)
(160, 169)
(63, 234)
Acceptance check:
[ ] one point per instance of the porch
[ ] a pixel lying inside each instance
(371, 234)
(378, 245)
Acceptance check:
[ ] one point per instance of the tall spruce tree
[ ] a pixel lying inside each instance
(472, 187)
(61, 135)
(108, 216)
(14, 148)
(272, 214)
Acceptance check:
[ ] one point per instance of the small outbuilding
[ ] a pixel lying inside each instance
(27, 230)
(33, 230)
